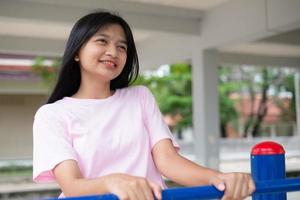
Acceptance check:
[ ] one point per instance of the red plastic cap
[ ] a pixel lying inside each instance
(267, 148)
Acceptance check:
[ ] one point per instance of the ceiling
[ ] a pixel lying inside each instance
(29, 22)
(36, 27)
(190, 4)
(286, 44)
(58, 30)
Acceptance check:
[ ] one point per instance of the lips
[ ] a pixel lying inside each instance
(108, 63)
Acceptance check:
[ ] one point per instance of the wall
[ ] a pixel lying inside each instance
(16, 118)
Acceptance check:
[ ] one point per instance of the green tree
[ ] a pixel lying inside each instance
(173, 92)
(256, 82)
(267, 79)
(227, 86)
(288, 113)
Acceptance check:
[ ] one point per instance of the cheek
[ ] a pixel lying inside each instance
(124, 59)
(90, 52)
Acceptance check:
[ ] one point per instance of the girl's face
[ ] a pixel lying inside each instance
(104, 54)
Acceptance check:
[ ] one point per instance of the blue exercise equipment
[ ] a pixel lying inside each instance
(267, 169)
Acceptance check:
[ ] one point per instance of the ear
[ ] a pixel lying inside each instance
(76, 58)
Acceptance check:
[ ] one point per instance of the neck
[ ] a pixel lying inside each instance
(92, 89)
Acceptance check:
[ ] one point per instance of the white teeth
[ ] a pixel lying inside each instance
(109, 62)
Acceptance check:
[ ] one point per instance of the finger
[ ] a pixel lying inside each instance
(146, 190)
(230, 185)
(240, 184)
(132, 193)
(122, 195)
(147, 193)
(218, 183)
(225, 197)
(156, 190)
(245, 189)
(251, 186)
(140, 192)
(133, 196)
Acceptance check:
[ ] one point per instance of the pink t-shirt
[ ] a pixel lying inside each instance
(104, 136)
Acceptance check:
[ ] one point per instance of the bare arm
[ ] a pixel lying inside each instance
(72, 183)
(185, 172)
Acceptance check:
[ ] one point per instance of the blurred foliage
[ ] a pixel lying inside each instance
(48, 73)
(259, 86)
(173, 92)
(226, 87)
(15, 170)
(288, 112)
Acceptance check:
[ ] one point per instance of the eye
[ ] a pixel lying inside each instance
(123, 48)
(101, 41)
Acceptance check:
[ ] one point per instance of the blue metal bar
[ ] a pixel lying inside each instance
(210, 192)
(280, 185)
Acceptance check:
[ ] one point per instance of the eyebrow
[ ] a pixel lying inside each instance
(107, 36)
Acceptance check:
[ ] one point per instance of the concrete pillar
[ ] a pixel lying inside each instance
(206, 107)
(297, 93)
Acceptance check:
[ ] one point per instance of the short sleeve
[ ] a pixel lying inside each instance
(154, 120)
(51, 144)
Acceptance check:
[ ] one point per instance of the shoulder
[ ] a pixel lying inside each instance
(137, 90)
(43, 110)
(138, 94)
(50, 110)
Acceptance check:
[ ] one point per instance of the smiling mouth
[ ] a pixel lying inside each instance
(108, 63)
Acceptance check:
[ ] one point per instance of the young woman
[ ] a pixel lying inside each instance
(97, 134)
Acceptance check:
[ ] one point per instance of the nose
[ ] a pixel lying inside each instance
(112, 51)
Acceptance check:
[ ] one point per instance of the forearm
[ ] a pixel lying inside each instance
(123, 185)
(83, 186)
(185, 172)
(73, 183)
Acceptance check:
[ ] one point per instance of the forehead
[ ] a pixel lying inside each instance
(114, 31)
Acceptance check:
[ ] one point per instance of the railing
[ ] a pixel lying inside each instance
(268, 172)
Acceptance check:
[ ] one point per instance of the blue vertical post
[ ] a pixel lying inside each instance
(268, 163)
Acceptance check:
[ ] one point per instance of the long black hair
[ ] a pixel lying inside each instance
(69, 77)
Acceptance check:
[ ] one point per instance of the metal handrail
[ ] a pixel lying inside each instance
(210, 192)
